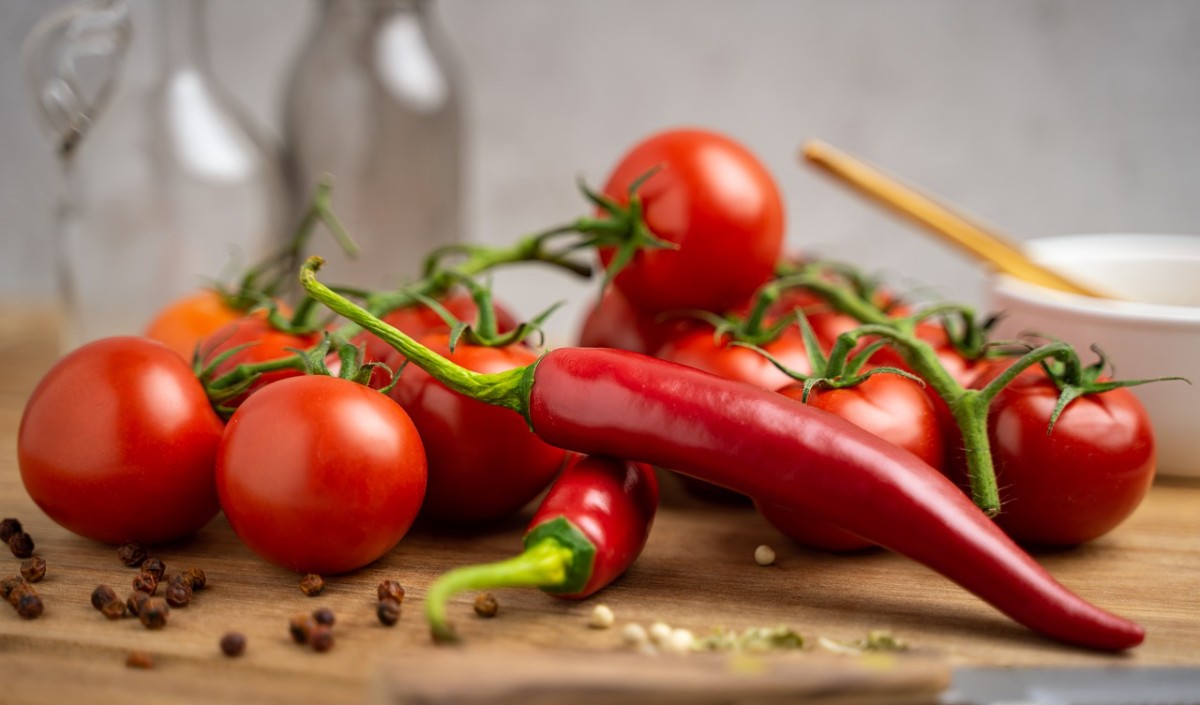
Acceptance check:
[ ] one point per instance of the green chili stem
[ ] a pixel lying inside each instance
(542, 565)
(507, 389)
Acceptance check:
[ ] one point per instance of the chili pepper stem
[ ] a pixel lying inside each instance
(544, 564)
(507, 389)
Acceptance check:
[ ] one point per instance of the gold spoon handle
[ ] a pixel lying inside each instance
(940, 219)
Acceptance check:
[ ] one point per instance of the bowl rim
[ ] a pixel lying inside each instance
(1004, 285)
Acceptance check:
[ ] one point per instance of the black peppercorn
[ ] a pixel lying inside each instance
(102, 595)
(178, 593)
(233, 644)
(154, 566)
(486, 605)
(391, 589)
(196, 578)
(30, 606)
(323, 615)
(139, 659)
(7, 585)
(300, 626)
(18, 590)
(131, 554)
(154, 613)
(113, 609)
(21, 544)
(8, 527)
(388, 611)
(321, 638)
(145, 582)
(136, 601)
(33, 569)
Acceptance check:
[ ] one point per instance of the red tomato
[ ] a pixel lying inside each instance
(613, 322)
(117, 443)
(714, 200)
(185, 322)
(484, 462)
(696, 348)
(1080, 481)
(890, 406)
(318, 474)
(418, 319)
(263, 343)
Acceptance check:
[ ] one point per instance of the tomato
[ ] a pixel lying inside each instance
(185, 322)
(117, 443)
(888, 405)
(318, 474)
(697, 348)
(418, 319)
(484, 462)
(716, 202)
(263, 343)
(614, 322)
(1081, 480)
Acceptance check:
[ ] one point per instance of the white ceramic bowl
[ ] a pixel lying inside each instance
(1153, 331)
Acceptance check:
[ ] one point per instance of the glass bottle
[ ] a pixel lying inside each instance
(167, 185)
(374, 103)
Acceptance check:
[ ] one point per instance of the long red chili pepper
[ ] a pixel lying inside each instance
(765, 445)
(589, 529)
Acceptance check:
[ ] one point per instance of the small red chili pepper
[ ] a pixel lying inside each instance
(764, 445)
(588, 530)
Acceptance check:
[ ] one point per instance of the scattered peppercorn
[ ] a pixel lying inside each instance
(137, 600)
(323, 615)
(30, 606)
(114, 609)
(196, 578)
(21, 588)
(388, 611)
(233, 644)
(155, 566)
(139, 659)
(321, 638)
(154, 613)
(131, 554)
(21, 544)
(33, 569)
(178, 593)
(145, 582)
(391, 589)
(102, 595)
(300, 627)
(7, 585)
(312, 585)
(8, 527)
(486, 605)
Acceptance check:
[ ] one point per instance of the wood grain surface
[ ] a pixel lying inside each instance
(697, 572)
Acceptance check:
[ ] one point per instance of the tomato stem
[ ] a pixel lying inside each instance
(508, 389)
(545, 564)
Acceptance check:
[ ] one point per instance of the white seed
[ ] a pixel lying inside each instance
(602, 617)
(660, 633)
(634, 634)
(680, 641)
(764, 555)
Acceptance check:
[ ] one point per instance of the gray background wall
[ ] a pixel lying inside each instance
(1043, 117)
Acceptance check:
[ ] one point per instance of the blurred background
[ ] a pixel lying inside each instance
(1039, 117)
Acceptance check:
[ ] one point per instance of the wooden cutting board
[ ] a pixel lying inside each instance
(697, 572)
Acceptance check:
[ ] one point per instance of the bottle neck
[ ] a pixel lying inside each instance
(182, 34)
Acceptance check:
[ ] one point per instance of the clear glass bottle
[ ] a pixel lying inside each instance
(374, 102)
(167, 184)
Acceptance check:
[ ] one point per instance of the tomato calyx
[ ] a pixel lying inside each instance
(483, 331)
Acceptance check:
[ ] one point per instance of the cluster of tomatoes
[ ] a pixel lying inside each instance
(122, 441)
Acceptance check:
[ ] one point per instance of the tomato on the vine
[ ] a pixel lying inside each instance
(320, 474)
(888, 405)
(418, 319)
(117, 443)
(1081, 479)
(484, 462)
(182, 324)
(262, 343)
(717, 203)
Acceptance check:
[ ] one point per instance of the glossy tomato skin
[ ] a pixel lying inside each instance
(614, 322)
(697, 348)
(263, 343)
(319, 474)
(1080, 481)
(117, 443)
(484, 462)
(889, 406)
(713, 199)
(418, 320)
(184, 323)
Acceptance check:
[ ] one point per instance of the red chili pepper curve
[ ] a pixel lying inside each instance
(589, 529)
(764, 445)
